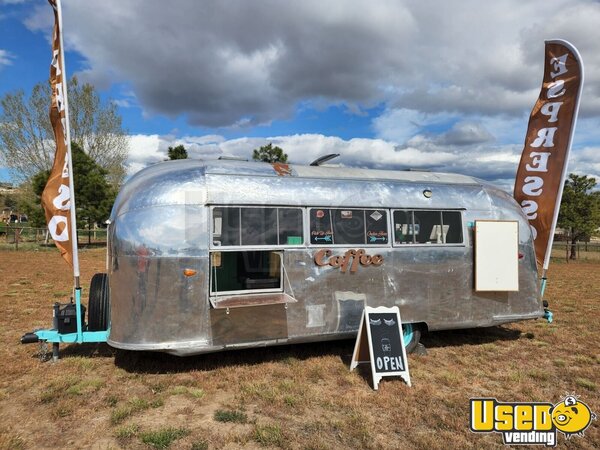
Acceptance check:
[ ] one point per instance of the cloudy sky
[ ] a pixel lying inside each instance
(441, 85)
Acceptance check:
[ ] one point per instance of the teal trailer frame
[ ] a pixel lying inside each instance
(79, 337)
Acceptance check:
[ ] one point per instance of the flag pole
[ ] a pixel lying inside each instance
(63, 75)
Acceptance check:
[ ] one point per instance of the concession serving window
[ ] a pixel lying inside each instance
(242, 271)
(246, 260)
(247, 278)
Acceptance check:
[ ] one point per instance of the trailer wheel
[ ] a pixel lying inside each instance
(412, 336)
(99, 303)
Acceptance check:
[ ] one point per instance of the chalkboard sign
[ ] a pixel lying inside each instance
(380, 342)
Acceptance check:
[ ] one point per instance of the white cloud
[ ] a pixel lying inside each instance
(304, 148)
(144, 150)
(399, 125)
(586, 161)
(5, 58)
(456, 81)
(244, 63)
(465, 133)
(496, 164)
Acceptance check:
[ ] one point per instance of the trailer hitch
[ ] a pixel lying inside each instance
(30, 338)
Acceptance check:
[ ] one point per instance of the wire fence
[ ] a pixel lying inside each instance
(583, 250)
(14, 236)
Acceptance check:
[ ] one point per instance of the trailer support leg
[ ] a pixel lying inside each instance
(55, 347)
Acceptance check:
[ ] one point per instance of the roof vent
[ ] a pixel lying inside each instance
(232, 158)
(324, 159)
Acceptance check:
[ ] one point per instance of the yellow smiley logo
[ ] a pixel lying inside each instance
(572, 416)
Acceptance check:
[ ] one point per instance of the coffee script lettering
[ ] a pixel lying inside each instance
(351, 259)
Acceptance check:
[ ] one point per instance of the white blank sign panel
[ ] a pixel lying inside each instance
(496, 255)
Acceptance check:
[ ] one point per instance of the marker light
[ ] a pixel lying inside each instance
(427, 193)
(189, 272)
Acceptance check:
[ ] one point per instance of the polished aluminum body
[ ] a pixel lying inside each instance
(161, 225)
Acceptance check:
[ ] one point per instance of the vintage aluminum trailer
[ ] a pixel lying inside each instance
(211, 255)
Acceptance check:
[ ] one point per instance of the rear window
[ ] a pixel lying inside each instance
(427, 227)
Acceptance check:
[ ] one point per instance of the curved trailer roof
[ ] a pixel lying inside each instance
(198, 182)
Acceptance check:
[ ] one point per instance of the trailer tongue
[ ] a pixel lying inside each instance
(68, 327)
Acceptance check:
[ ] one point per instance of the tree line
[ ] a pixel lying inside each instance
(99, 147)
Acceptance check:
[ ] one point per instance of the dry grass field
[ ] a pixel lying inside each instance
(297, 397)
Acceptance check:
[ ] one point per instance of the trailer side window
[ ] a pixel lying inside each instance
(257, 226)
(348, 226)
(321, 229)
(403, 227)
(427, 227)
(376, 226)
(452, 220)
(290, 226)
(226, 226)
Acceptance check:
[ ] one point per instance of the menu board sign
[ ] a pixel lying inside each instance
(380, 342)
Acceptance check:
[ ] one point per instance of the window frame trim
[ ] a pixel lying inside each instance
(213, 294)
(211, 230)
(366, 245)
(432, 244)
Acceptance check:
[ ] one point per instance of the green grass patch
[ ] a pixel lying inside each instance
(133, 406)
(539, 375)
(11, 440)
(290, 400)
(222, 415)
(138, 404)
(164, 437)
(79, 362)
(196, 392)
(179, 390)
(262, 391)
(268, 435)
(120, 414)
(85, 387)
(584, 359)
(185, 390)
(59, 388)
(157, 403)
(127, 432)
(585, 383)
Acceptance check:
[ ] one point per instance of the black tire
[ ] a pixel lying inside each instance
(99, 303)
(415, 337)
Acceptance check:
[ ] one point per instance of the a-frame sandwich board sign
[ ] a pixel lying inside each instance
(380, 342)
